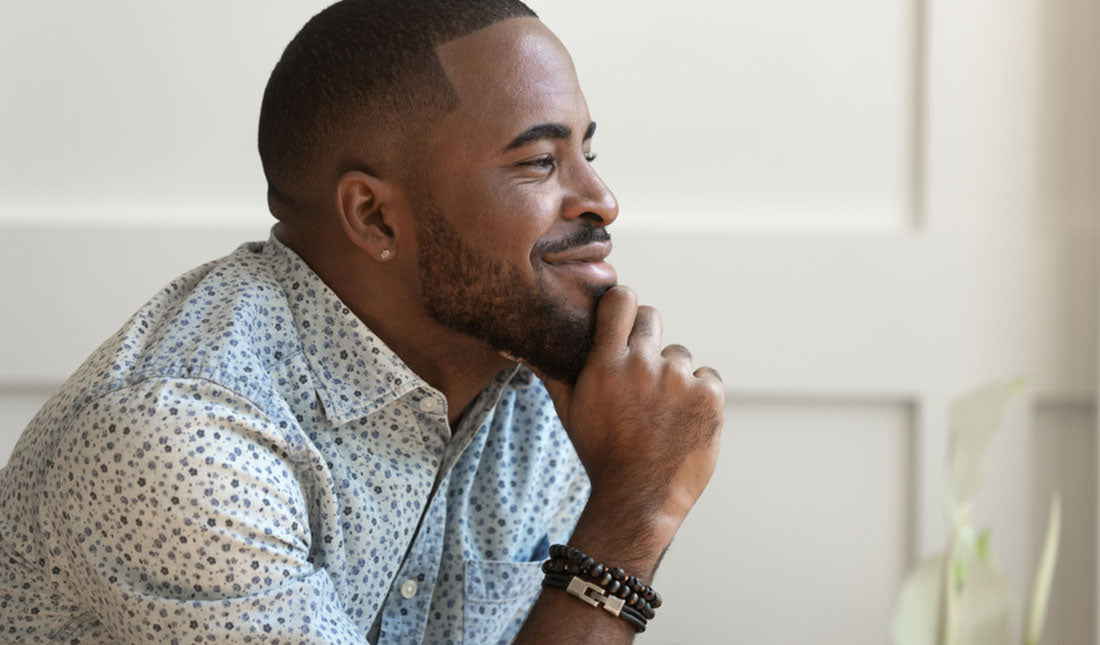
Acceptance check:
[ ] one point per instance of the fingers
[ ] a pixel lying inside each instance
(615, 317)
(679, 356)
(646, 334)
(710, 373)
(676, 352)
(621, 323)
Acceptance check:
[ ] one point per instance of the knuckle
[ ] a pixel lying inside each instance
(675, 377)
(717, 393)
(708, 371)
(674, 349)
(647, 318)
(712, 396)
(607, 371)
(646, 321)
(653, 369)
(621, 295)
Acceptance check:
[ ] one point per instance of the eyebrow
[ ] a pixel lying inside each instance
(547, 131)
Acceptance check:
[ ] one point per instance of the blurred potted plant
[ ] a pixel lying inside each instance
(959, 597)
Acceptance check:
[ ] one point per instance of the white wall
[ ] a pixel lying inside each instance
(144, 113)
(856, 210)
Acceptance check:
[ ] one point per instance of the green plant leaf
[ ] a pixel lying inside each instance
(917, 612)
(1044, 575)
(981, 546)
(951, 587)
(974, 420)
(960, 598)
(986, 607)
(963, 548)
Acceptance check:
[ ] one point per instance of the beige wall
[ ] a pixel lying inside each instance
(856, 210)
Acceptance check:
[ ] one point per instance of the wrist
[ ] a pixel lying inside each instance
(653, 514)
(634, 538)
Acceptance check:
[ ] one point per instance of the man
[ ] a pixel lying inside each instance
(336, 436)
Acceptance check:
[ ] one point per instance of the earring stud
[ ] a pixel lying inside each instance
(385, 254)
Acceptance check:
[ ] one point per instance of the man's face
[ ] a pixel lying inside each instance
(510, 224)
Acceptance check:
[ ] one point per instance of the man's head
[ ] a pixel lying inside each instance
(356, 86)
(456, 161)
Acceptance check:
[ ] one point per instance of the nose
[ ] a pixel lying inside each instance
(589, 197)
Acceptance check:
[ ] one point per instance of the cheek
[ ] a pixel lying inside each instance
(502, 217)
(512, 227)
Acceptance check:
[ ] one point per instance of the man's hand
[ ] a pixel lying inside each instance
(646, 427)
(644, 424)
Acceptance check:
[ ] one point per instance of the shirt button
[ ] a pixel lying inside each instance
(408, 588)
(428, 404)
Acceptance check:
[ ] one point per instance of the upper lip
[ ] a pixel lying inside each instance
(591, 252)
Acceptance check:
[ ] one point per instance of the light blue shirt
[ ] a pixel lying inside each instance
(244, 461)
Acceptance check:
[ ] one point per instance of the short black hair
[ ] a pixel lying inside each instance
(366, 68)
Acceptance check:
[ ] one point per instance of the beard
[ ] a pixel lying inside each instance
(468, 291)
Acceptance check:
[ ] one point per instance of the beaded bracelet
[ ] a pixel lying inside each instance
(570, 559)
(584, 577)
(613, 582)
(570, 584)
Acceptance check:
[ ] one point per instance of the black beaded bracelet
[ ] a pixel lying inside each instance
(595, 569)
(571, 569)
(570, 559)
(632, 592)
(583, 590)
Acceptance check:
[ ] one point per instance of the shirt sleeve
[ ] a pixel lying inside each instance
(175, 514)
(564, 474)
(573, 500)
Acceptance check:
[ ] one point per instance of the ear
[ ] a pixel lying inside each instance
(364, 203)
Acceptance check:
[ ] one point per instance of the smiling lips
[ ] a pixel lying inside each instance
(585, 262)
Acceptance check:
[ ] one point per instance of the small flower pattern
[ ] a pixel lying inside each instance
(244, 461)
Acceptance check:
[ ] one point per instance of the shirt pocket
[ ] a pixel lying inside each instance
(498, 597)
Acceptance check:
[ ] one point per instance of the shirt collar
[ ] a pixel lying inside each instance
(355, 373)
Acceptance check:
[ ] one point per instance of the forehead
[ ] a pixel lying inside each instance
(509, 76)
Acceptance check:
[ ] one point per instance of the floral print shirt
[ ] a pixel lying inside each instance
(244, 461)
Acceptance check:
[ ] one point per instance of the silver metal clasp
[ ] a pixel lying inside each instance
(593, 595)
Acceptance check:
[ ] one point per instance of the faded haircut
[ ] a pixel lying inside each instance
(362, 69)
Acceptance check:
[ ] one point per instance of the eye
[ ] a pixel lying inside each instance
(548, 162)
(544, 162)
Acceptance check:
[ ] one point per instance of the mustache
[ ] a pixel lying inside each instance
(583, 236)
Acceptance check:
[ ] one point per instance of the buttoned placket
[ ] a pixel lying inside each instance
(410, 600)
(405, 615)
(410, 596)
(430, 409)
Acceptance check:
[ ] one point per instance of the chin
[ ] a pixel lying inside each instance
(584, 299)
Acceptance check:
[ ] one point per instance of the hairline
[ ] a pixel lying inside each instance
(400, 138)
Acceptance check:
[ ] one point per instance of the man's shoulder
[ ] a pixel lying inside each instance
(201, 348)
(227, 321)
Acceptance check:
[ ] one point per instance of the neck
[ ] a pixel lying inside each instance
(379, 294)
(452, 363)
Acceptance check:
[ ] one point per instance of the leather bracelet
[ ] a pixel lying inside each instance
(589, 593)
(611, 585)
(614, 581)
(625, 589)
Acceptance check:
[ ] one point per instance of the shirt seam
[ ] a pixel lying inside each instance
(98, 393)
